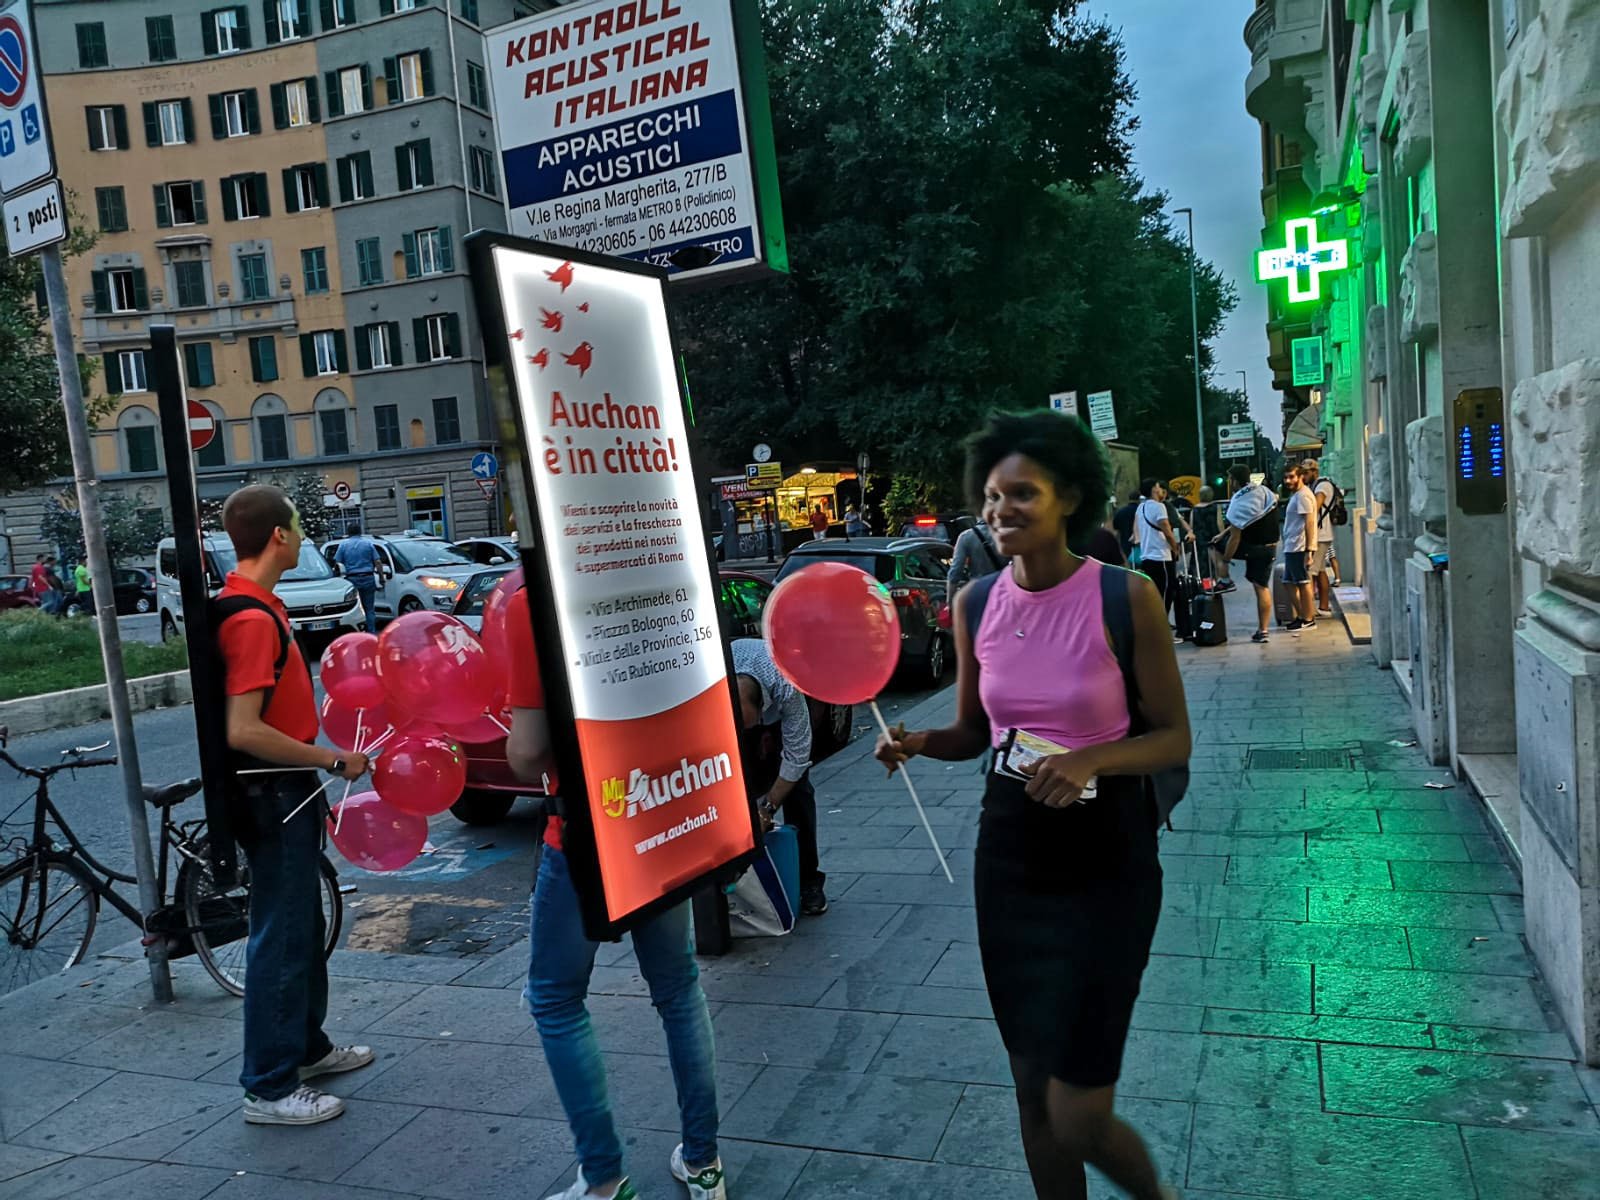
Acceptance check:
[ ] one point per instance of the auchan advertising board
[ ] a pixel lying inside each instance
(592, 383)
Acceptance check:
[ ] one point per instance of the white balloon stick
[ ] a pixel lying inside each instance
(915, 799)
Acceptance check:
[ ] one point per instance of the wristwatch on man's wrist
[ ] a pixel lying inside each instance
(338, 767)
(767, 809)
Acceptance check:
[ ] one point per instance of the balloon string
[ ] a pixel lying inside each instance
(378, 743)
(503, 727)
(306, 801)
(912, 788)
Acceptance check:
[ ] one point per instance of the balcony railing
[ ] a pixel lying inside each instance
(1258, 30)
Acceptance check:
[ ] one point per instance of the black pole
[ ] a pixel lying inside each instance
(205, 672)
(770, 512)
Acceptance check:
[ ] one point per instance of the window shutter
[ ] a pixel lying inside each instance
(391, 79)
(230, 203)
(263, 196)
(308, 356)
(427, 72)
(269, 13)
(94, 130)
(208, 375)
(452, 334)
(252, 112)
(244, 27)
(199, 201)
(152, 125)
(320, 174)
(280, 104)
(402, 166)
(291, 201)
(255, 360)
(346, 184)
(364, 166)
(191, 364)
(366, 85)
(313, 103)
(425, 163)
(188, 120)
(163, 210)
(102, 291)
(419, 335)
(363, 348)
(413, 269)
(327, 14)
(219, 119)
(141, 293)
(386, 8)
(208, 32)
(119, 118)
(113, 374)
(397, 354)
(341, 360)
(447, 253)
(330, 81)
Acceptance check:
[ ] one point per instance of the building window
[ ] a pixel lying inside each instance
(378, 349)
(253, 277)
(197, 368)
(112, 209)
(480, 164)
(314, 266)
(92, 45)
(441, 335)
(125, 291)
(240, 117)
(369, 262)
(130, 371)
(386, 421)
(108, 127)
(477, 86)
(141, 441)
(182, 203)
(305, 187)
(335, 431)
(413, 165)
(394, 6)
(354, 90)
(273, 429)
(230, 31)
(162, 40)
(190, 281)
(244, 197)
(355, 177)
(327, 352)
(294, 104)
(469, 11)
(263, 359)
(429, 252)
(171, 114)
(446, 421)
(336, 14)
(287, 20)
(409, 76)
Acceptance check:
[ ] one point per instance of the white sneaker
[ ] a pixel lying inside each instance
(704, 1184)
(303, 1106)
(339, 1060)
(580, 1190)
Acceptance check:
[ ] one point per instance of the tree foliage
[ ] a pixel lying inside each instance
(965, 232)
(131, 532)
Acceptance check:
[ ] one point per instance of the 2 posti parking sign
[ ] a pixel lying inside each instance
(640, 128)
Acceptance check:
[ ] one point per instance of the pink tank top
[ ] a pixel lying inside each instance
(1046, 666)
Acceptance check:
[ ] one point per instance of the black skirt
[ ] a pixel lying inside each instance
(1067, 904)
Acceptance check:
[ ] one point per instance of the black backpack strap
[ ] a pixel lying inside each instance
(974, 598)
(1116, 604)
(230, 606)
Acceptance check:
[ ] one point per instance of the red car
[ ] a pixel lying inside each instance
(492, 787)
(15, 593)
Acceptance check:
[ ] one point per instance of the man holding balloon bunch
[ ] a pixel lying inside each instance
(272, 722)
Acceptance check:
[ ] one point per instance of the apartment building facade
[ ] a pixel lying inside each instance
(1452, 149)
(288, 183)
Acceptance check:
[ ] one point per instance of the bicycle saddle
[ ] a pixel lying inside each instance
(172, 793)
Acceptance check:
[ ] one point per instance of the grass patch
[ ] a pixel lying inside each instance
(40, 654)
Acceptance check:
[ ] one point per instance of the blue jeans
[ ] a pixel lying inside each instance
(367, 588)
(558, 980)
(286, 991)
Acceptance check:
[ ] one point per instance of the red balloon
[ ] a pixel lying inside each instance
(493, 634)
(423, 776)
(342, 723)
(350, 670)
(833, 632)
(490, 726)
(376, 836)
(431, 664)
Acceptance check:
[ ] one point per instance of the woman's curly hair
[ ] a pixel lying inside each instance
(1062, 444)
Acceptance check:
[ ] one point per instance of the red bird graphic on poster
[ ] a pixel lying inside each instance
(552, 320)
(582, 358)
(561, 275)
(541, 359)
(517, 336)
(584, 307)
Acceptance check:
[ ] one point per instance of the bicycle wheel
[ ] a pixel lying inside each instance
(48, 909)
(220, 918)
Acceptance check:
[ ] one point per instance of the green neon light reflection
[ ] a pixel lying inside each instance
(1302, 260)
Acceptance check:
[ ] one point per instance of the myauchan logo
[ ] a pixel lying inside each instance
(643, 792)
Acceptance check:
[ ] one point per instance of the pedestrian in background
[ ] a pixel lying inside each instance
(272, 722)
(819, 523)
(1068, 890)
(1158, 546)
(83, 589)
(975, 555)
(1207, 528)
(1122, 521)
(854, 524)
(1251, 533)
(1322, 548)
(358, 561)
(561, 961)
(42, 583)
(1299, 530)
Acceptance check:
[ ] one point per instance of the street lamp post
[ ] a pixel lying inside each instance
(1194, 317)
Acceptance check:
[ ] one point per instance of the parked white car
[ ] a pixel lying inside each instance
(321, 605)
(489, 551)
(419, 573)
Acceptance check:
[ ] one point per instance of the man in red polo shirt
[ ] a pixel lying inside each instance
(561, 959)
(272, 721)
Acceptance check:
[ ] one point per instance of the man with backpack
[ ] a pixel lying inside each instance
(272, 722)
(1251, 532)
(975, 556)
(1330, 512)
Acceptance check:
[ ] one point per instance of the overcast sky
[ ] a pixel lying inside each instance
(1197, 144)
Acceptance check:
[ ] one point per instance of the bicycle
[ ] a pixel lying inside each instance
(50, 897)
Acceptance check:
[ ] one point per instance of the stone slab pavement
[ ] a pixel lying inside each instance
(1341, 1007)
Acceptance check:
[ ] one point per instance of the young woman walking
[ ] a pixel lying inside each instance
(1068, 887)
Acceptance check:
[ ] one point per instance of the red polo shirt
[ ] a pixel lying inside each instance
(526, 689)
(249, 648)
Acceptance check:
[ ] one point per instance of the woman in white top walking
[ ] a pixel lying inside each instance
(1158, 545)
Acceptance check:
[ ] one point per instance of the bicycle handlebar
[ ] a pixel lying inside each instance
(43, 773)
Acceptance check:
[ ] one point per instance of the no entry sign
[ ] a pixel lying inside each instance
(202, 425)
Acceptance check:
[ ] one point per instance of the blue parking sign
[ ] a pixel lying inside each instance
(8, 140)
(31, 129)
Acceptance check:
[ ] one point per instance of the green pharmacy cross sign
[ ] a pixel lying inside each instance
(1302, 261)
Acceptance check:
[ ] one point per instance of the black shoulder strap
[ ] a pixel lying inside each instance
(1117, 611)
(974, 598)
(230, 606)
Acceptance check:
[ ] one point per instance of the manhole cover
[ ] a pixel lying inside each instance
(1300, 760)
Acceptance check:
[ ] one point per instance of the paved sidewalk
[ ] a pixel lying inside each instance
(1341, 1008)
